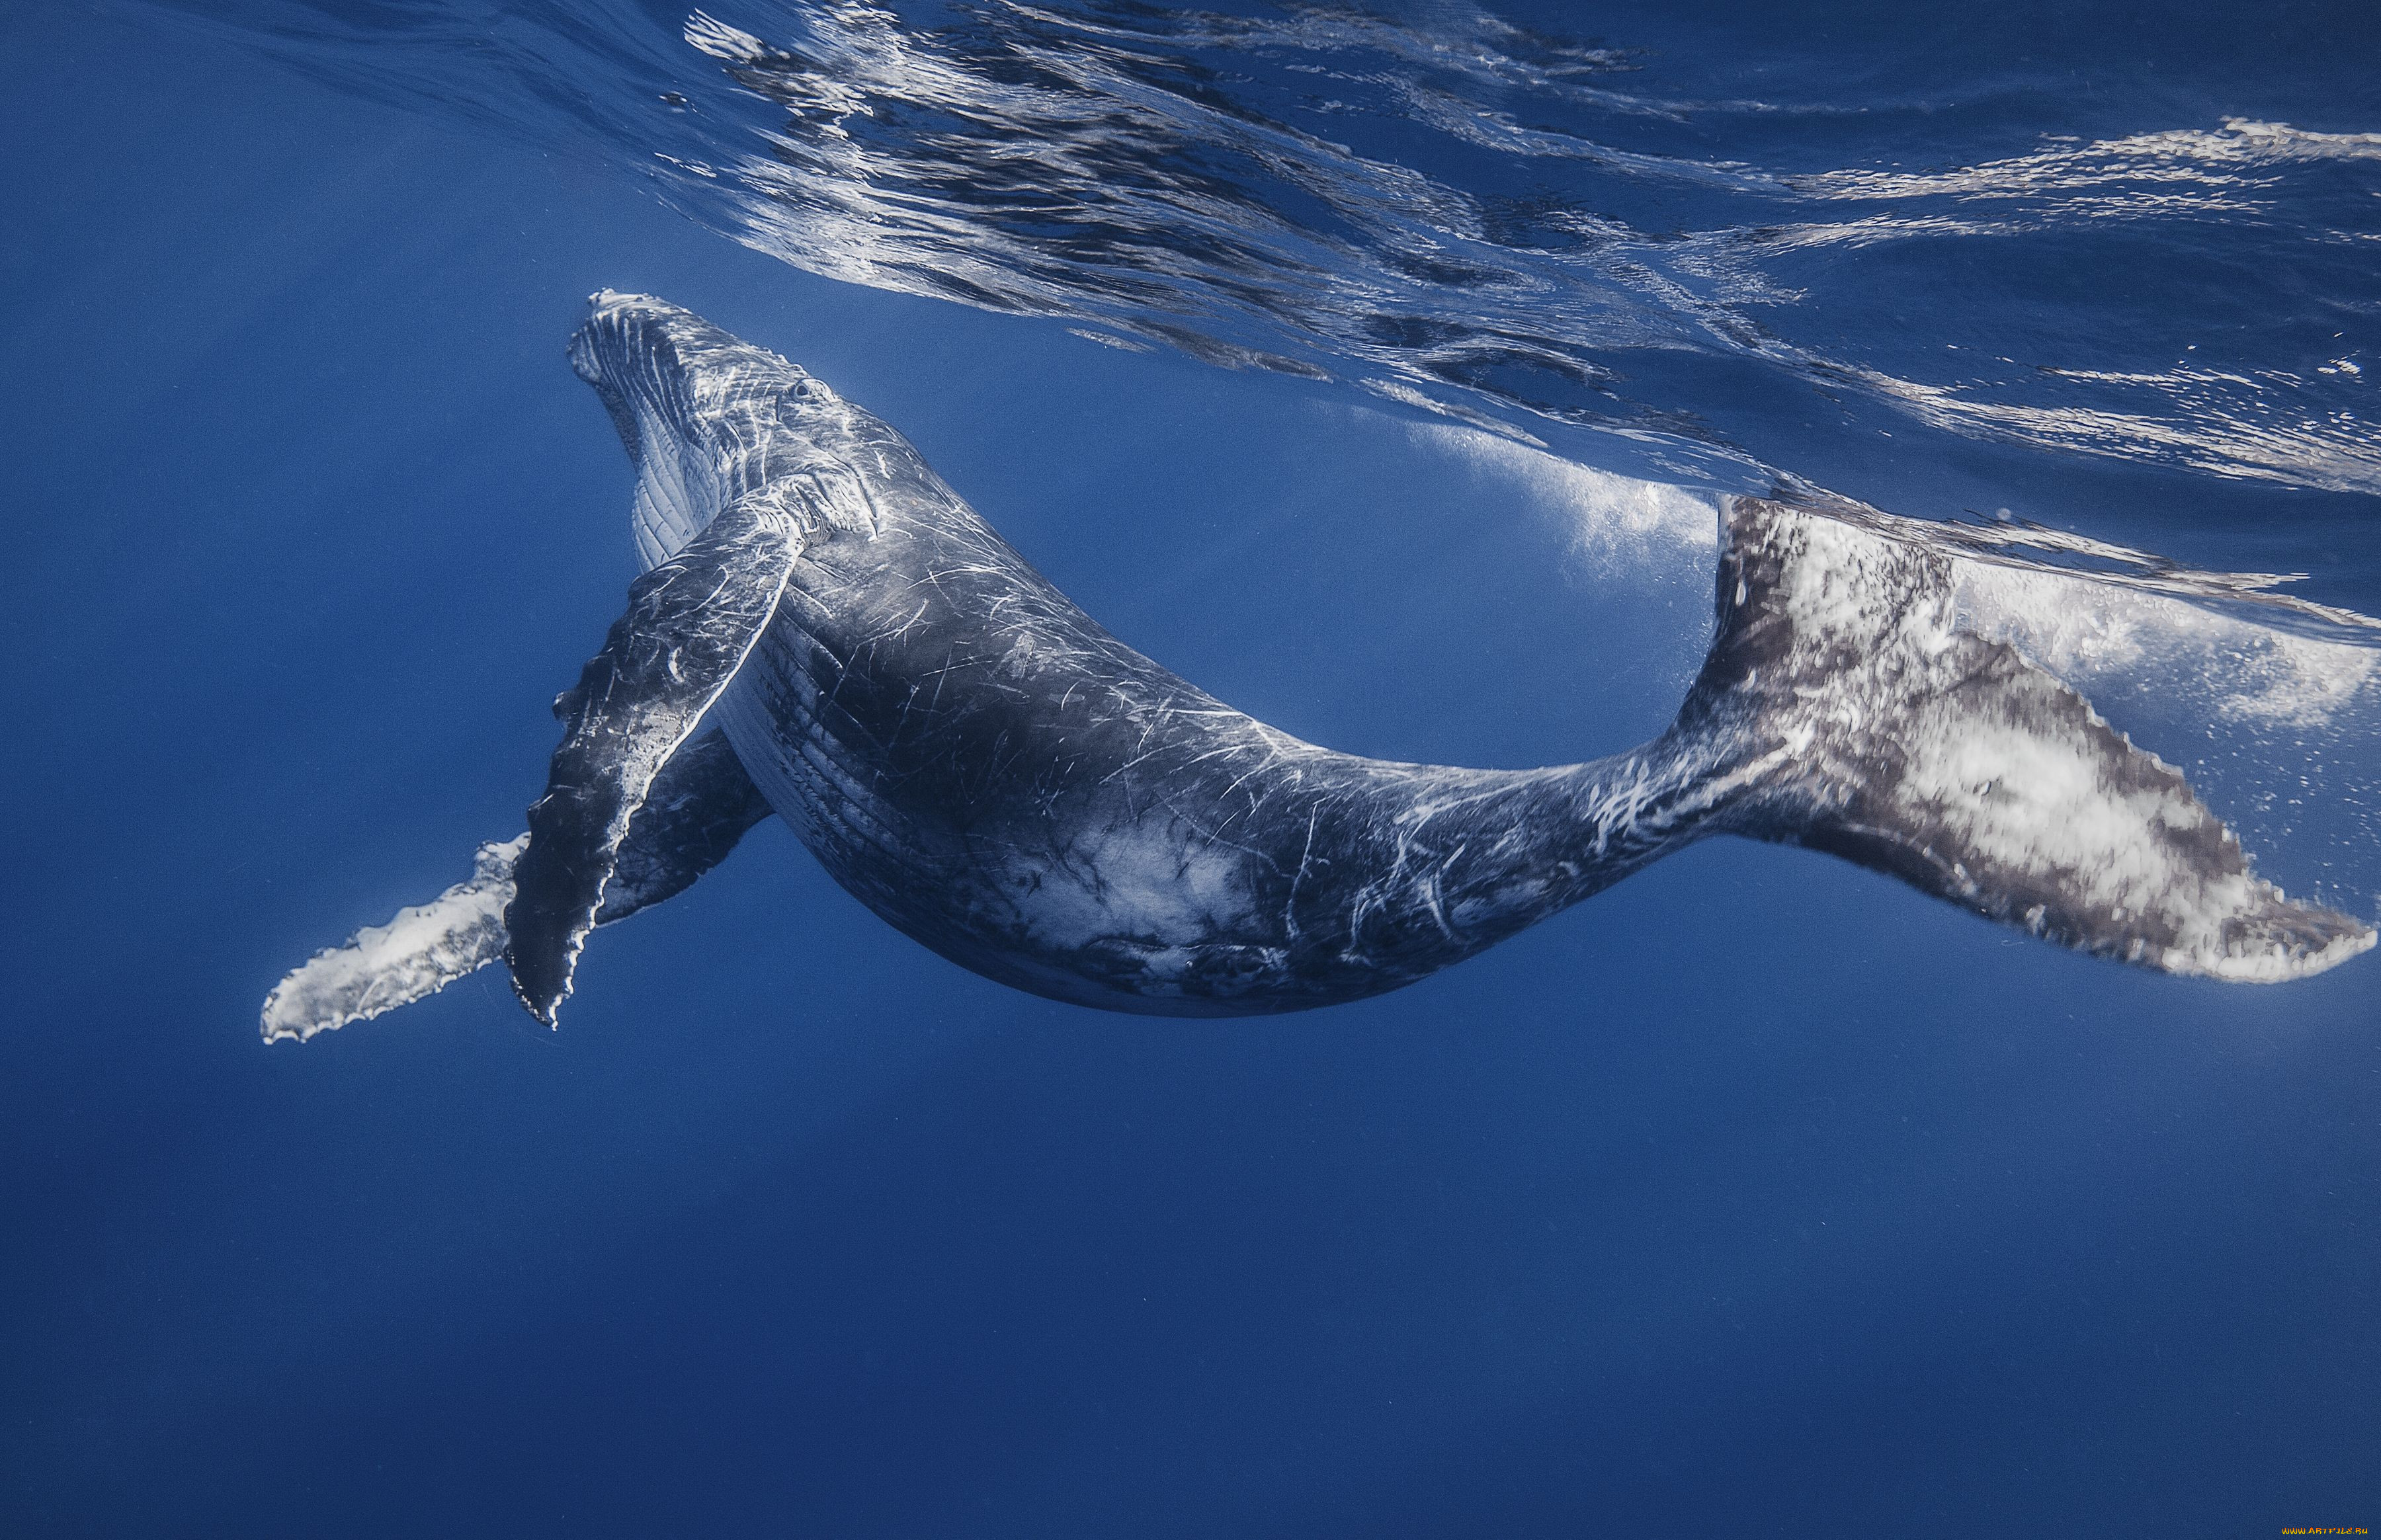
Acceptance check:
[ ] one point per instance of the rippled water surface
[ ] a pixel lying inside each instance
(2015, 230)
(1382, 369)
(2012, 271)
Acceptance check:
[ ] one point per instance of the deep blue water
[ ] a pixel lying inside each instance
(1758, 1195)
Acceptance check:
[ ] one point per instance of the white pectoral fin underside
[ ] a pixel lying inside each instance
(690, 623)
(419, 952)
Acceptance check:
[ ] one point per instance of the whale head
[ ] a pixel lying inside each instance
(703, 415)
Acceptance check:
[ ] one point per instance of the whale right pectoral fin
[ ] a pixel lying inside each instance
(690, 623)
(699, 807)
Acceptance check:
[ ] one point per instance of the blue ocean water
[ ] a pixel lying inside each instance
(1759, 1194)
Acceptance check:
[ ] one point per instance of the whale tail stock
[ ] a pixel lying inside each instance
(1849, 714)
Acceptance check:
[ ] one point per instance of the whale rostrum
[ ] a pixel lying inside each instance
(826, 631)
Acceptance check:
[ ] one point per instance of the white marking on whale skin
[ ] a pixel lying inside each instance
(1140, 880)
(419, 952)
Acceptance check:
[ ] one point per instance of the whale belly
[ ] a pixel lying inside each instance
(963, 791)
(1076, 896)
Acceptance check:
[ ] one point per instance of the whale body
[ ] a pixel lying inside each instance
(826, 631)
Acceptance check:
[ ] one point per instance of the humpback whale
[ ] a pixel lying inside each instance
(826, 631)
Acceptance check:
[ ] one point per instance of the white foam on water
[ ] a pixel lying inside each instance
(1621, 527)
(2092, 634)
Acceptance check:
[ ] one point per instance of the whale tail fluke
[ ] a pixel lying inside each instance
(1861, 720)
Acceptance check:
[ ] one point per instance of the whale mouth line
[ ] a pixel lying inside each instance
(696, 409)
(624, 351)
(644, 355)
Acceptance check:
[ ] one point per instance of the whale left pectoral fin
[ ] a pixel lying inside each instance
(699, 807)
(690, 623)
